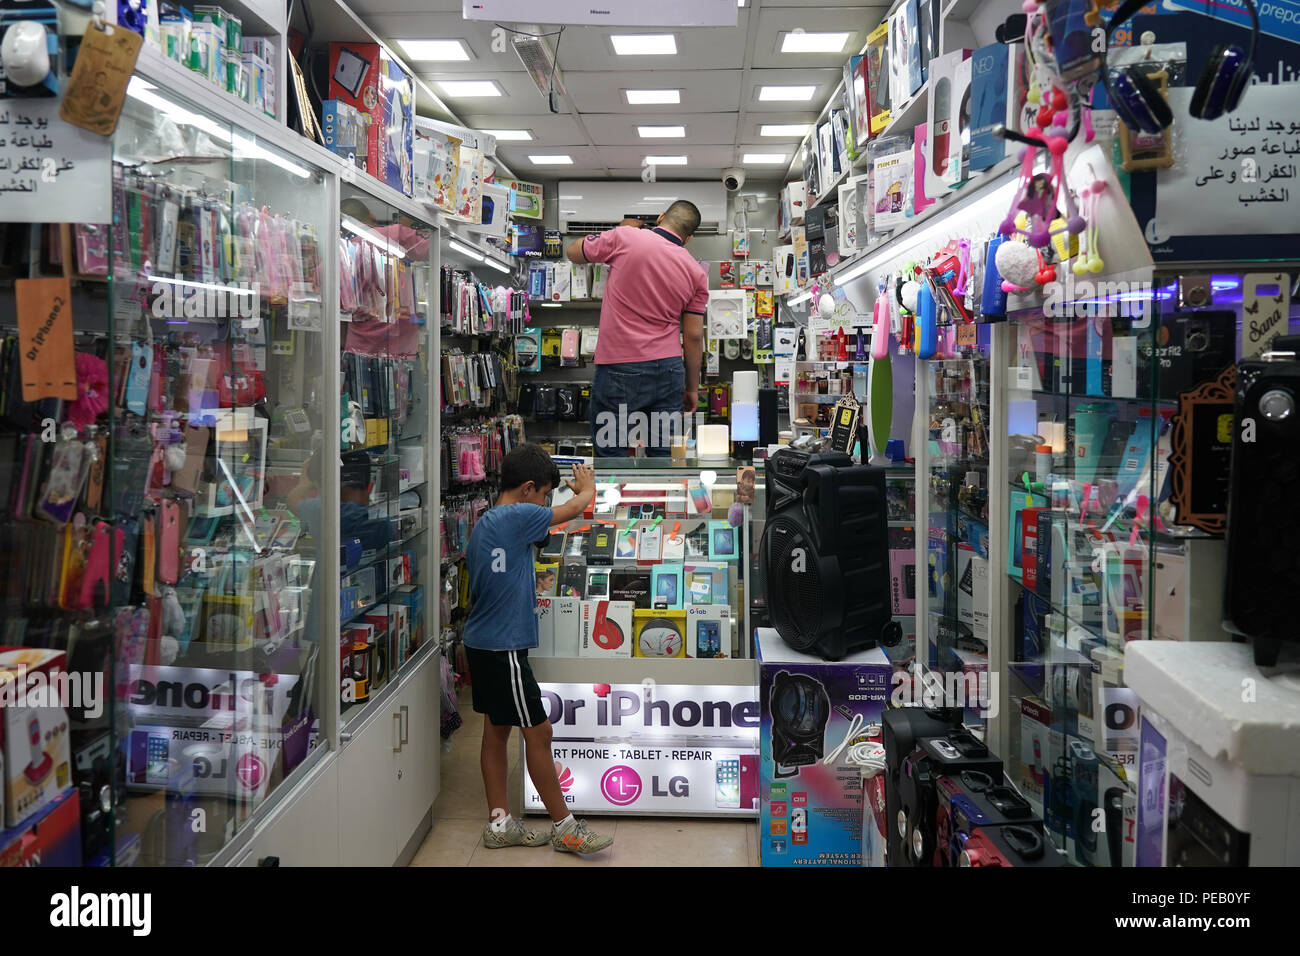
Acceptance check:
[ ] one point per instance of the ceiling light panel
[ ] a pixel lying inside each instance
(665, 160)
(780, 129)
(510, 135)
(661, 132)
(550, 160)
(769, 159)
(465, 89)
(802, 42)
(770, 94)
(644, 44)
(435, 51)
(648, 97)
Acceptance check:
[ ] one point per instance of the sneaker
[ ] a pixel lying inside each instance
(516, 834)
(579, 838)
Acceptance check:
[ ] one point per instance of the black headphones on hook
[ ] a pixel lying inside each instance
(1137, 99)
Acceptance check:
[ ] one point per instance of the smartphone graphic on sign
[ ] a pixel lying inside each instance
(728, 783)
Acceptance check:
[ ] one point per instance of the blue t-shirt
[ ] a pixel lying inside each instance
(501, 580)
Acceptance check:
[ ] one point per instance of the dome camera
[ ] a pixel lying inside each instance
(733, 179)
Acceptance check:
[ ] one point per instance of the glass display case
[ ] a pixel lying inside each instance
(212, 398)
(386, 285)
(956, 592)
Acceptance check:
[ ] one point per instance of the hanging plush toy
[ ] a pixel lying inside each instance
(1018, 264)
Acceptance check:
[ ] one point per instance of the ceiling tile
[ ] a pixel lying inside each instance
(824, 80)
(516, 157)
(698, 48)
(774, 23)
(517, 92)
(547, 128)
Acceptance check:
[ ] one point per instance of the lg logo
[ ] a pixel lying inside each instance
(620, 785)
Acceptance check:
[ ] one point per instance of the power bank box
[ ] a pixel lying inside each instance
(600, 549)
(708, 630)
(606, 629)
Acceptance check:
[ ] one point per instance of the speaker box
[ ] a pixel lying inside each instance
(768, 418)
(825, 554)
(900, 730)
(1264, 504)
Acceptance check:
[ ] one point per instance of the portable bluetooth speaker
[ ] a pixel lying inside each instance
(900, 730)
(1263, 502)
(1019, 844)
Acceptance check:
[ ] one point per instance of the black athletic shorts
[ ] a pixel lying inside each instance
(504, 688)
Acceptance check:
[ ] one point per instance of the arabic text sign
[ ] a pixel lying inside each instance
(1239, 174)
(51, 171)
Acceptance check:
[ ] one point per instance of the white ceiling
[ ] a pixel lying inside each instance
(718, 69)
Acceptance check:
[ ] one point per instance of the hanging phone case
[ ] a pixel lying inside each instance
(169, 533)
(63, 487)
(96, 584)
(137, 383)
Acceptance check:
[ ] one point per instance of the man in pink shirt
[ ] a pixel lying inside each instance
(654, 306)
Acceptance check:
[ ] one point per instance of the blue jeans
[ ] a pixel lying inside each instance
(637, 403)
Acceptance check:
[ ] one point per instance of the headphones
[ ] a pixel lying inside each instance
(1137, 99)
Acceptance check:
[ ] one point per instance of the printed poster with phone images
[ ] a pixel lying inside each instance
(626, 748)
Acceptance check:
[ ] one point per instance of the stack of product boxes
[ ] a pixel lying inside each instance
(211, 42)
(369, 89)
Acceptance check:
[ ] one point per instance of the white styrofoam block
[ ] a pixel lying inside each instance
(1213, 693)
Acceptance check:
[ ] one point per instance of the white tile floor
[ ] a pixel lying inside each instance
(461, 811)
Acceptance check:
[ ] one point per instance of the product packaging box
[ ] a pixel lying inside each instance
(50, 838)
(810, 812)
(631, 584)
(902, 570)
(708, 630)
(568, 626)
(1042, 743)
(412, 597)
(363, 76)
(706, 582)
(878, 92)
(995, 99)
(33, 730)
(606, 629)
(659, 633)
(525, 199)
(950, 77)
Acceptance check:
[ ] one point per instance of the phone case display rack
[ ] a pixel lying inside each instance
(479, 423)
(150, 540)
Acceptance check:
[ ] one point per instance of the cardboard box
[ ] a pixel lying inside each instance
(705, 583)
(995, 99)
(363, 76)
(525, 199)
(708, 630)
(1040, 746)
(950, 77)
(568, 626)
(659, 633)
(50, 838)
(810, 814)
(33, 730)
(545, 610)
(631, 584)
(606, 629)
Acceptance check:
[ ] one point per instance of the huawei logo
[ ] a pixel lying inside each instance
(565, 775)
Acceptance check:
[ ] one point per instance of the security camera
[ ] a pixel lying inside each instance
(733, 179)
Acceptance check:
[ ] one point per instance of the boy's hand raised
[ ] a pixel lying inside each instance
(583, 481)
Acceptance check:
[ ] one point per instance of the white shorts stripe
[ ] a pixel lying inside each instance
(517, 689)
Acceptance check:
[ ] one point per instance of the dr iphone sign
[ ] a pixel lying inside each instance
(653, 748)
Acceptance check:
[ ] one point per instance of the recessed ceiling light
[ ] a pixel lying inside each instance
(786, 92)
(515, 135)
(814, 42)
(468, 88)
(645, 97)
(665, 161)
(654, 132)
(769, 158)
(434, 51)
(644, 44)
(777, 129)
(551, 160)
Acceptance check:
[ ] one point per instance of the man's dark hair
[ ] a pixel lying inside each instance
(683, 218)
(527, 463)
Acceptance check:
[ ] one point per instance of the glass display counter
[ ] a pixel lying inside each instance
(646, 655)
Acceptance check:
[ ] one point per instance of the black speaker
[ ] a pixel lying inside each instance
(800, 708)
(768, 420)
(900, 730)
(825, 554)
(1017, 844)
(1263, 576)
(973, 799)
(920, 810)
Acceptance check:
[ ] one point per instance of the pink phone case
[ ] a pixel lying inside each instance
(169, 542)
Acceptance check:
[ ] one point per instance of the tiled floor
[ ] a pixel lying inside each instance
(460, 813)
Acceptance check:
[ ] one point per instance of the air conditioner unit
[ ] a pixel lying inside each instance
(587, 207)
(622, 13)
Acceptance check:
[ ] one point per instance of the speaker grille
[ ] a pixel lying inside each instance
(796, 598)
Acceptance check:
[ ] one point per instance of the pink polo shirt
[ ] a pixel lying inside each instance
(652, 282)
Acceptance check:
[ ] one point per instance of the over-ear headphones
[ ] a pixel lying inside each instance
(1223, 81)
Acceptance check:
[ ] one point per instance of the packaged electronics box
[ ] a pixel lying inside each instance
(708, 630)
(606, 629)
(364, 77)
(52, 837)
(811, 813)
(33, 730)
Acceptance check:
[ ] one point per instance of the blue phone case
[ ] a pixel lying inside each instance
(927, 331)
(137, 383)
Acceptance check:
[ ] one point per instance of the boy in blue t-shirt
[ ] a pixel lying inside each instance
(501, 627)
